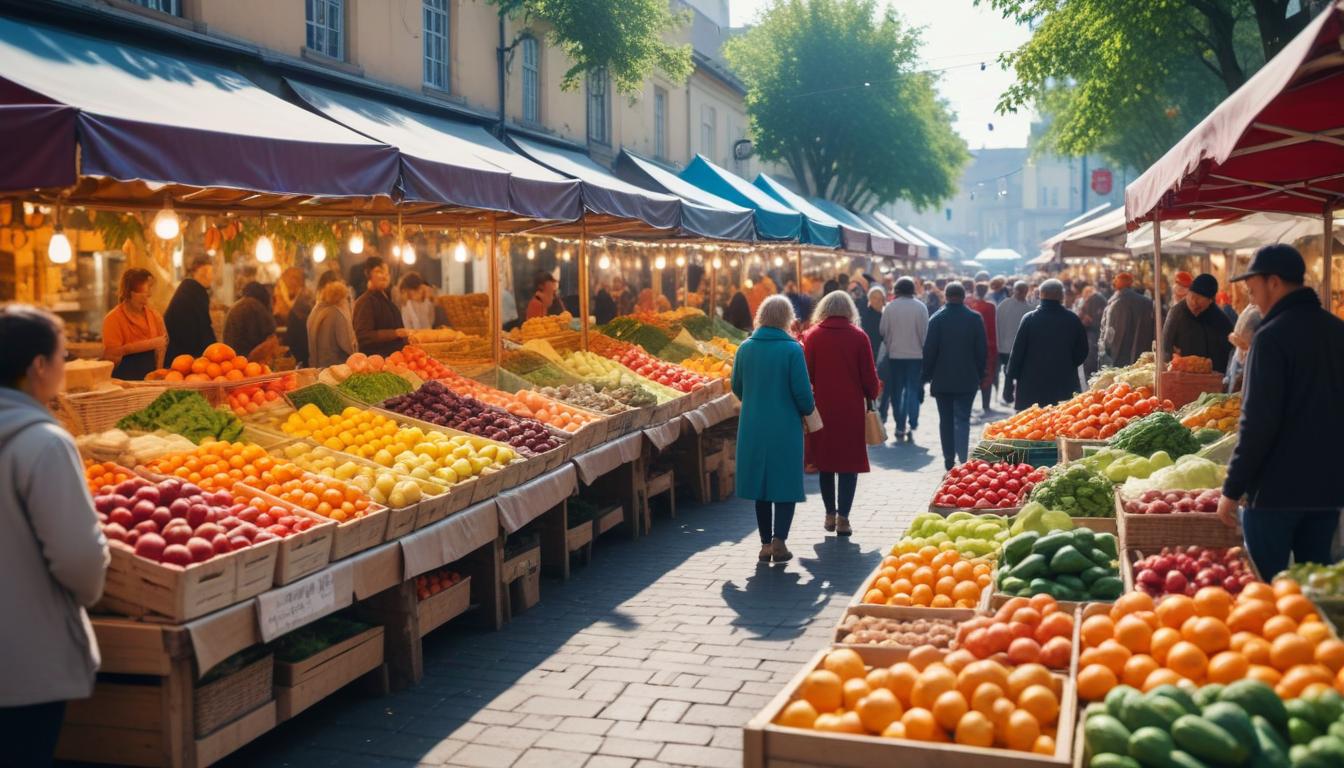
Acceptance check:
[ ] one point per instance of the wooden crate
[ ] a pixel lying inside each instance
(579, 536)
(301, 684)
(222, 701)
(945, 511)
(256, 568)
(766, 744)
(136, 586)
(436, 610)
(231, 737)
(902, 613)
(608, 519)
(1098, 524)
(991, 600)
(520, 575)
(1071, 449)
(125, 719)
(304, 553)
(941, 613)
(348, 537)
(1157, 531)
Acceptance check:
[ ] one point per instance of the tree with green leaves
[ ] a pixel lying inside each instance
(624, 38)
(1128, 78)
(833, 91)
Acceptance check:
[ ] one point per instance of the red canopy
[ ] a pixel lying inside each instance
(1277, 144)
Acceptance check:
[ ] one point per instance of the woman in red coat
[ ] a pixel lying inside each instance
(840, 365)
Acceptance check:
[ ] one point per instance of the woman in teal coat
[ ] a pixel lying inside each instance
(770, 378)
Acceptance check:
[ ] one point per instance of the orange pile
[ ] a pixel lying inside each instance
(107, 473)
(931, 697)
(929, 578)
(1022, 631)
(217, 466)
(251, 398)
(319, 495)
(1096, 414)
(218, 363)
(418, 361)
(1267, 633)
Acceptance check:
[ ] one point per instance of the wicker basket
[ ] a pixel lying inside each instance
(1182, 388)
(1152, 532)
(90, 412)
(222, 701)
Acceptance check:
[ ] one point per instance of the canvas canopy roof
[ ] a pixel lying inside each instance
(701, 212)
(819, 229)
(774, 221)
(880, 243)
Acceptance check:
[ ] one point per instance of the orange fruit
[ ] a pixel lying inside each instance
(1097, 628)
(958, 659)
(977, 673)
(1210, 634)
(1315, 631)
(1257, 590)
(1137, 669)
(854, 689)
(1095, 681)
(1163, 639)
(998, 716)
(1023, 730)
(902, 679)
(1286, 587)
(218, 352)
(1173, 610)
(844, 662)
(1265, 674)
(823, 690)
(933, 682)
(1041, 702)
(1298, 678)
(974, 730)
(1256, 650)
(1330, 654)
(879, 677)
(1133, 633)
(798, 714)
(984, 697)
(1227, 667)
(1131, 602)
(1213, 601)
(1025, 676)
(1160, 677)
(922, 656)
(182, 363)
(878, 709)
(1045, 745)
(922, 594)
(1289, 650)
(1187, 660)
(895, 731)
(1278, 625)
(1294, 606)
(948, 709)
(845, 722)
(1250, 616)
(919, 724)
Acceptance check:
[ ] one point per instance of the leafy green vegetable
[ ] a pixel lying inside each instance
(320, 395)
(1187, 474)
(1077, 490)
(376, 387)
(1156, 432)
(314, 638)
(187, 413)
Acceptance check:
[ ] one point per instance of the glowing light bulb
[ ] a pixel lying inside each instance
(319, 253)
(407, 253)
(604, 262)
(544, 244)
(681, 261)
(565, 256)
(531, 253)
(177, 258)
(659, 262)
(264, 250)
(396, 250)
(718, 263)
(779, 261)
(166, 224)
(58, 248)
(460, 252)
(356, 243)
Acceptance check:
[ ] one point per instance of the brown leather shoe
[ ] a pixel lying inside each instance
(842, 527)
(779, 553)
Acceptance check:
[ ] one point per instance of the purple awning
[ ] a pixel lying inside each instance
(38, 149)
(603, 193)
(147, 117)
(447, 161)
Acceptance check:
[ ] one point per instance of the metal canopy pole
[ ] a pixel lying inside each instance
(584, 289)
(1328, 254)
(1157, 302)
(496, 311)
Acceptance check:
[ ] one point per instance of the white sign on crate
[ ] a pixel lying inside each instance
(287, 608)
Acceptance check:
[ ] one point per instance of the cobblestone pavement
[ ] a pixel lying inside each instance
(655, 654)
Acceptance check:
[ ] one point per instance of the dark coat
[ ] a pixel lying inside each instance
(738, 313)
(955, 351)
(871, 321)
(296, 328)
(1051, 343)
(843, 375)
(248, 324)
(1126, 328)
(376, 322)
(1202, 335)
(604, 307)
(1293, 400)
(188, 321)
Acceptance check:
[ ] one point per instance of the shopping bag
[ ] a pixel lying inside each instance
(812, 422)
(874, 431)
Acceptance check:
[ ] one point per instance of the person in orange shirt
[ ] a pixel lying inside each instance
(543, 301)
(134, 336)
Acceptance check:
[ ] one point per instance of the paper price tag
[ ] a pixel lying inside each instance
(287, 608)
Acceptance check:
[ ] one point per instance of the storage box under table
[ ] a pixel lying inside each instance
(438, 609)
(300, 684)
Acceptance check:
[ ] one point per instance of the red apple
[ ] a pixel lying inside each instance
(177, 554)
(150, 546)
(200, 549)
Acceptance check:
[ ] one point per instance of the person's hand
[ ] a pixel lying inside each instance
(160, 343)
(1227, 511)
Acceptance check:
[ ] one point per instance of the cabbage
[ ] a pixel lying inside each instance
(1190, 472)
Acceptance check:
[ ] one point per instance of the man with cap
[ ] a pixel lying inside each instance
(1126, 324)
(1293, 399)
(1196, 327)
(1050, 345)
(188, 315)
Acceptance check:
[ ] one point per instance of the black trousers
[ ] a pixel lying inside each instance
(28, 734)
(849, 481)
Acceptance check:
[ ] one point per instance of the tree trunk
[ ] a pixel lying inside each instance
(1276, 27)
(1221, 39)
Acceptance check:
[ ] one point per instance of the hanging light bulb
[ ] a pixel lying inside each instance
(319, 253)
(531, 253)
(460, 251)
(396, 250)
(659, 262)
(565, 255)
(733, 263)
(264, 249)
(604, 262)
(58, 248)
(356, 243)
(166, 224)
(779, 261)
(718, 263)
(407, 253)
(681, 261)
(544, 244)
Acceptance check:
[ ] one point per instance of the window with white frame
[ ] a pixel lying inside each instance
(709, 131)
(171, 7)
(325, 22)
(436, 13)
(599, 108)
(531, 80)
(660, 123)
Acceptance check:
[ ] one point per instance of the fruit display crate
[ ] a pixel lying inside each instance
(89, 412)
(898, 611)
(400, 520)
(768, 745)
(349, 536)
(608, 517)
(1001, 511)
(992, 600)
(513, 474)
(301, 684)
(137, 586)
(440, 608)
(879, 654)
(302, 553)
(1140, 531)
(1072, 449)
(1097, 524)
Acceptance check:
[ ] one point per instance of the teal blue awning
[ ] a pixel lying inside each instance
(818, 228)
(773, 220)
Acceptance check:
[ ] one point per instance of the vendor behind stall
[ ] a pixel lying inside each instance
(1195, 327)
(188, 313)
(134, 336)
(543, 299)
(378, 324)
(250, 327)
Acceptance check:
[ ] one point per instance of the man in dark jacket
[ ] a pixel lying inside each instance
(1196, 327)
(1126, 324)
(955, 351)
(188, 315)
(377, 321)
(1050, 345)
(1293, 399)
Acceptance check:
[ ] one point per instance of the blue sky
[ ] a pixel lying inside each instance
(958, 36)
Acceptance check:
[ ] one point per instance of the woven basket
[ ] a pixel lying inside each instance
(1182, 388)
(90, 412)
(221, 702)
(1152, 532)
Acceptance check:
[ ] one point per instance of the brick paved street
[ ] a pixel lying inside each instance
(656, 654)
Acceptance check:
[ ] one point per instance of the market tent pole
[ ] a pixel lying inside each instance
(1157, 302)
(1328, 254)
(496, 311)
(798, 268)
(713, 285)
(584, 289)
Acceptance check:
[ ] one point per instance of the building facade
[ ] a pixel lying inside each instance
(445, 52)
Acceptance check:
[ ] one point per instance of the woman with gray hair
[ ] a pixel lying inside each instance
(841, 370)
(770, 378)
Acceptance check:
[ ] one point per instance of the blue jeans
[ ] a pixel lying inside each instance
(1272, 534)
(883, 398)
(905, 385)
(954, 426)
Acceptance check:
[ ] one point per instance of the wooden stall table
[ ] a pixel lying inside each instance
(695, 460)
(543, 499)
(612, 471)
(657, 439)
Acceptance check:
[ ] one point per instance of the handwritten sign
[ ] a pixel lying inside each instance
(287, 608)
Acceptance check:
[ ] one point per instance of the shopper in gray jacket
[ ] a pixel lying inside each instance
(52, 551)
(1127, 325)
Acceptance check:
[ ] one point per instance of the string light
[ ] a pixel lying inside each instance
(718, 263)
(659, 262)
(166, 224)
(356, 244)
(544, 244)
(58, 248)
(531, 253)
(681, 261)
(565, 256)
(319, 253)
(407, 253)
(460, 251)
(604, 262)
(733, 262)
(264, 249)
(779, 261)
